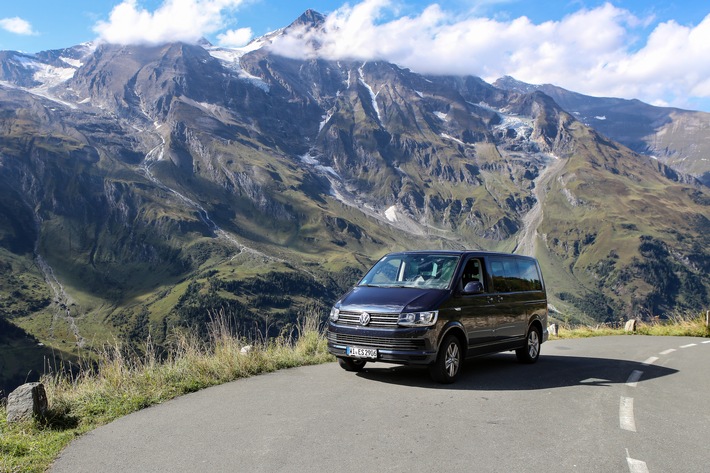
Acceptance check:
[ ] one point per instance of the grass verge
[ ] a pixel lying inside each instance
(677, 325)
(121, 383)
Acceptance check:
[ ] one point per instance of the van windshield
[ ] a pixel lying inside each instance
(433, 271)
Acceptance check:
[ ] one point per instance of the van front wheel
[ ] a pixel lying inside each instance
(531, 351)
(447, 366)
(349, 364)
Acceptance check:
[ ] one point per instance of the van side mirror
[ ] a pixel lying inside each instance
(473, 287)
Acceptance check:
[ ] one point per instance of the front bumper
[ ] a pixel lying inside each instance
(407, 346)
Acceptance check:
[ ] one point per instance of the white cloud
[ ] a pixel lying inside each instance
(601, 51)
(16, 25)
(235, 38)
(173, 20)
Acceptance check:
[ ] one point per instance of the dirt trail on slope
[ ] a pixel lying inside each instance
(527, 239)
(62, 301)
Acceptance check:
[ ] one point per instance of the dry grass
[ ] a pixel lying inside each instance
(676, 324)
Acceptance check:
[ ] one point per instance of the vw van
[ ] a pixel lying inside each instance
(438, 308)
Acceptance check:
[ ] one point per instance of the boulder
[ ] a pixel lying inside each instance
(26, 402)
(246, 350)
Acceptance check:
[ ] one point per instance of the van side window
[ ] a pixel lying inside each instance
(472, 272)
(501, 272)
(515, 275)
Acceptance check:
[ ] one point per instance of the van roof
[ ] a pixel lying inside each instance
(459, 253)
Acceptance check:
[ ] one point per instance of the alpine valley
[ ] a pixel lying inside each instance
(149, 188)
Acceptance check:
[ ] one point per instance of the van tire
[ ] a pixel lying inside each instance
(349, 364)
(531, 351)
(448, 362)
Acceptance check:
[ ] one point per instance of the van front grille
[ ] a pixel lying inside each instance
(376, 319)
(377, 342)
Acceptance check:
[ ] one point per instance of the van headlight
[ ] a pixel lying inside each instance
(334, 313)
(418, 319)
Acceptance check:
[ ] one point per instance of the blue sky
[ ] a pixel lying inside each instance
(657, 51)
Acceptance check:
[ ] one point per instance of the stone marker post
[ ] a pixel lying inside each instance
(554, 330)
(27, 401)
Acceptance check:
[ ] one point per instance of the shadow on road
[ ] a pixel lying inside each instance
(502, 372)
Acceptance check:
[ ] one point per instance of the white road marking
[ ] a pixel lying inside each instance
(707, 341)
(634, 378)
(626, 414)
(635, 466)
(650, 361)
(688, 345)
(665, 352)
(595, 381)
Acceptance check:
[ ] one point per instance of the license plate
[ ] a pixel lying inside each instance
(361, 352)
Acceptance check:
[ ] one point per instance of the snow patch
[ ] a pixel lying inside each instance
(600, 117)
(449, 137)
(441, 116)
(326, 119)
(47, 76)
(308, 159)
(391, 214)
(373, 95)
(230, 58)
(521, 125)
(72, 62)
(50, 76)
(329, 170)
(313, 161)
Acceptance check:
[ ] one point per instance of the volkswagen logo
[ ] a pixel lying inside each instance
(364, 318)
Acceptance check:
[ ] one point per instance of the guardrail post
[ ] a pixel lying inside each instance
(707, 318)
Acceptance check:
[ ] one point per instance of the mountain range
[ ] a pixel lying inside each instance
(676, 137)
(149, 189)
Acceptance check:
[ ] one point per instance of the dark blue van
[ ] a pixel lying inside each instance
(437, 308)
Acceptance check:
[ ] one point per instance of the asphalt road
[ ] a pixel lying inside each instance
(613, 404)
